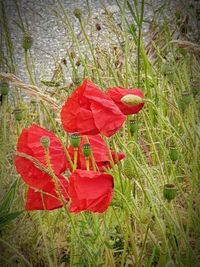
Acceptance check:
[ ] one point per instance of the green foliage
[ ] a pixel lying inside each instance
(6, 216)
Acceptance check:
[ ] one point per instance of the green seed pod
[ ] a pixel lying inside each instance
(169, 192)
(75, 140)
(19, 114)
(133, 126)
(86, 149)
(128, 168)
(4, 88)
(27, 42)
(173, 154)
(45, 141)
(78, 13)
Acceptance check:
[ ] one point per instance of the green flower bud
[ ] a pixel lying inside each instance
(173, 154)
(86, 149)
(169, 192)
(75, 140)
(45, 141)
(4, 88)
(78, 13)
(27, 42)
(19, 114)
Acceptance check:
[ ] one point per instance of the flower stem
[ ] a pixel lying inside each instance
(28, 67)
(87, 163)
(75, 158)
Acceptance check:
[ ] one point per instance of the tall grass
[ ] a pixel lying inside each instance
(140, 228)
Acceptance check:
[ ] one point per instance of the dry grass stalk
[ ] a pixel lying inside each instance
(36, 162)
(191, 47)
(29, 89)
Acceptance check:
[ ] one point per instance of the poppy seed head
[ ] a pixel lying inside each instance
(45, 141)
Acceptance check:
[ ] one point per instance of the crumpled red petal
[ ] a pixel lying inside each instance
(100, 153)
(29, 144)
(89, 111)
(48, 198)
(116, 93)
(90, 191)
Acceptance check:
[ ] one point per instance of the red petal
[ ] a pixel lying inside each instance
(29, 143)
(80, 114)
(30, 174)
(48, 199)
(108, 121)
(90, 191)
(120, 156)
(116, 93)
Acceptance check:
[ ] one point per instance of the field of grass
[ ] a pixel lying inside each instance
(140, 227)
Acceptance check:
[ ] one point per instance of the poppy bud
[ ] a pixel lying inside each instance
(169, 192)
(4, 88)
(128, 168)
(75, 140)
(173, 154)
(27, 42)
(45, 141)
(133, 126)
(132, 100)
(86, 149)
(18, 113)
(77, 13)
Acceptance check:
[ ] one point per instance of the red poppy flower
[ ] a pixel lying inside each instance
(48, 198)
(116, 93)
(100, 153)
(89, 111)
(90, 191)
(29, 144)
